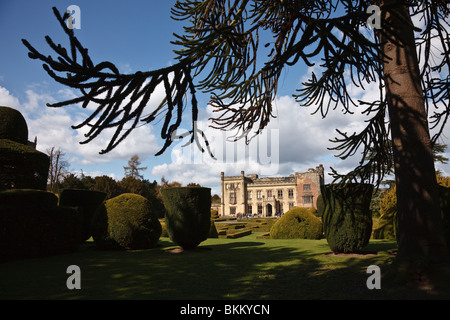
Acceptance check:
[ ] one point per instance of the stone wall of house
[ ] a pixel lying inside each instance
(308, 186)
(268, 196)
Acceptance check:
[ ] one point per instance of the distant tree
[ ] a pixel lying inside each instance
(107, 185)
(215, 199)
(131, 184)
(144, 188)
(438, 153)
(58, 168)
(166, 184)
(133, 169)
(87, 181)
(193, 184)
(71, 181)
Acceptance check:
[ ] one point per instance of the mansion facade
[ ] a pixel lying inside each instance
(269, 196)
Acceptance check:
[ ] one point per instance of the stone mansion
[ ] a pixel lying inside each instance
(268, 196)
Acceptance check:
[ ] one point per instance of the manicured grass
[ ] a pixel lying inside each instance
(244, 268)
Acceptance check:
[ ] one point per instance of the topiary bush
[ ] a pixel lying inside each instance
(28, 198)
(188, 214)
(13, 125)
(22, 167)
(32, 225)
(320, 205)
(126, 222)
(347, 219)
(297, 223)
(87, 201)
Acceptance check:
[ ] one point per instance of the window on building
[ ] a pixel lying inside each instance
(231, 185)
(232, 197)
(291, 205)
(232, 211)
(249, 209)
(259, 194)
(280, 194)
(249, 195)
(260, 207)
(306, 187)
(269, 194)
(307, 199)
(291, 193)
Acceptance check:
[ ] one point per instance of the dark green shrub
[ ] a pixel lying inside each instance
(188, 214)
(13, 125)
(388, 210)
(347, 219)
(214, 214)
(22, 167)
(164, 232)
(320, 205)
(31, 231)
(28, 198)
(297, 223)
(126, 222)
(87, 201)
(99, 228)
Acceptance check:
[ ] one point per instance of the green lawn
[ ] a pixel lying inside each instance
(244, 268)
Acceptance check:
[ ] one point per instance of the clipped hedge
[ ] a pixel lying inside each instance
(297, 223)
(188, 214)
(13, 125)
(28, 198)
(347, 219)
(22, 167)
(32, 225)
(126, 222)
(87, 202)
(320, 205)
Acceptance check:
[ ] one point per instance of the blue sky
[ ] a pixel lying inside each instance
(135, 35)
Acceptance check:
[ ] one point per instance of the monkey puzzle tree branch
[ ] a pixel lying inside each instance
(121, 99)
(221, 48)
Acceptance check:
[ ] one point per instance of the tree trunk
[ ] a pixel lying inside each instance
(420, 234)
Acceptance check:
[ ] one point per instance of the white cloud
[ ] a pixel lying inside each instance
(52, 127)
(7, 99)
(298, 141)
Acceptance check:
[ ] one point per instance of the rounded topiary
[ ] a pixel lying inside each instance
(347, 219)
(13, 125)
(87, 201)
(22, 167)
(297, 223)
(188, 214)
(127, 222)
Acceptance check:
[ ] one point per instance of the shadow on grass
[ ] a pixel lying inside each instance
(216, 270)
